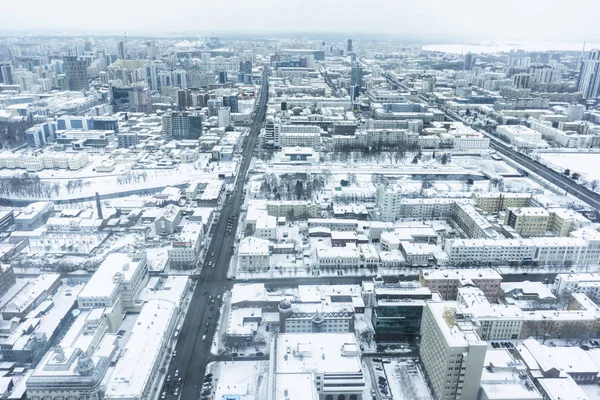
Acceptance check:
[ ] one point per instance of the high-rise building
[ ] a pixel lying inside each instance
(180, 78)
(356, 76)
(151, 49)
(152, 77)
(589, 76)
(76, 73)
(121, 51)
(575, 112)
(224, 117)
(6, 73)
(469, 61)
(222, 77)
(182, 125)
(452, 352)
(350, 49)
(522, 81)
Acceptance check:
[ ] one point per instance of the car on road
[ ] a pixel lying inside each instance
(168, 378)
(205, 331)
(206, 393)
(205, 292)
(208, 323)
(204, 338)
(210, 315)
(176, 373)
(163, 395)
(174, 353)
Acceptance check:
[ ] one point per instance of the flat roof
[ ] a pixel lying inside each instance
(317, 352)
(102, 283)
(144, 348)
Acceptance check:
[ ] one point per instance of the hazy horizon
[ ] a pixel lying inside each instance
(422, 21)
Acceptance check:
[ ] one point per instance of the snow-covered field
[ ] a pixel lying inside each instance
(586, 164)
(138, 179)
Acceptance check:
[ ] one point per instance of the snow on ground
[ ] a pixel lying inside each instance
(576, 162)
(109, 183)
(246, 379)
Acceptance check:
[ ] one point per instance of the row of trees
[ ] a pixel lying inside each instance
(27, 185)
(293, 187)
(376, 152)
(132, 177)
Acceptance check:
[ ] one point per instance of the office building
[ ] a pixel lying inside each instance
(76, 73)
(589, 76)
(398, 309)
(316, 366)
(182, 125)
(6, 77)
(7, 278)
(452, 353)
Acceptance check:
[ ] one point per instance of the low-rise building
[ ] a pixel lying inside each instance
(316, 366)
(447, 282)
(184, 251)
(116, 285)
(133, 376)
(254, 254)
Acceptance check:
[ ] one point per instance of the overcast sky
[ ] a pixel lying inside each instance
(569, 20)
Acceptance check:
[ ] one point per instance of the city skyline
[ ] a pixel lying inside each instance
(460, 20)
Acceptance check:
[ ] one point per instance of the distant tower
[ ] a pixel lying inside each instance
(350, 49)
(99, 206)
(469, 61)
(121, 54)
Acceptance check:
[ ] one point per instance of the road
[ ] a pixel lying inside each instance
(193, 346)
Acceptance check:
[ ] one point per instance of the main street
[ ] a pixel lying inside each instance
(193, 346)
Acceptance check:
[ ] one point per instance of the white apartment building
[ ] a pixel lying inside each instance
(184, 251)
(266, 227)
(391, 206)
(562, 138)
(254, 254)
(521, 136)
(338, 257)
(46, 161)
(452, 352)
(304, 139)
(545, 251)
(586, 283)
